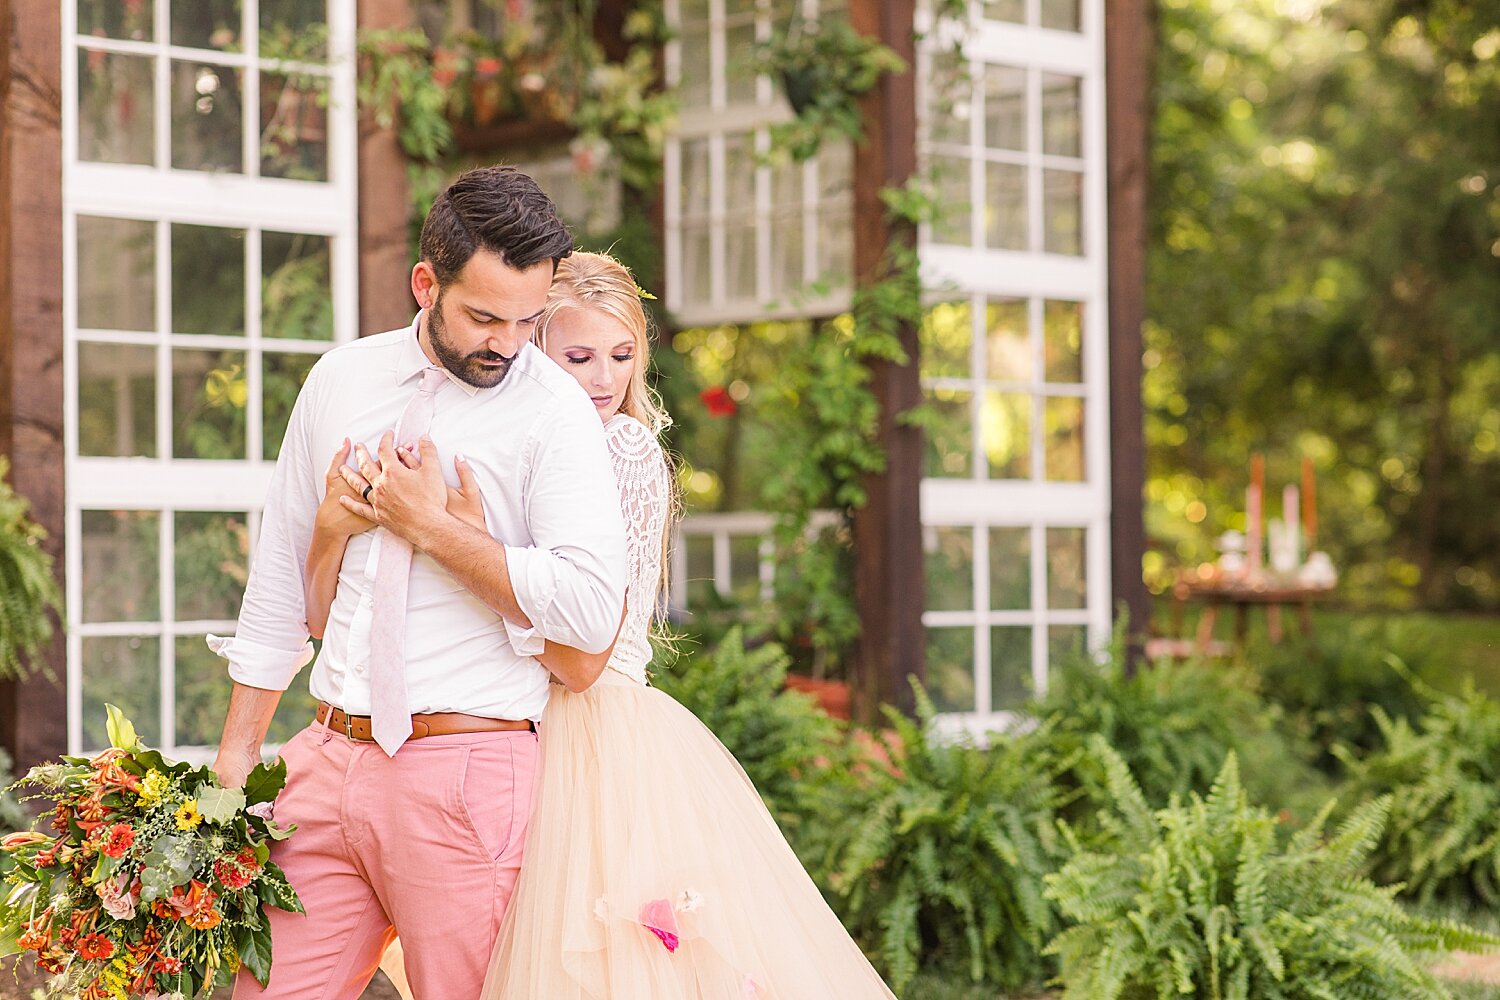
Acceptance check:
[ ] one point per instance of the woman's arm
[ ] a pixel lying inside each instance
(332, 529)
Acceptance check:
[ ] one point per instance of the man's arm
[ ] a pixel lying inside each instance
(245, 725)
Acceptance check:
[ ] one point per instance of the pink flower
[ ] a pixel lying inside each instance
(118, 901)
(658, 918)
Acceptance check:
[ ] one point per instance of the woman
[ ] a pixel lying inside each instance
(652, 868)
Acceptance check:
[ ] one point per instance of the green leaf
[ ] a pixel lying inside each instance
(121, 731)
(265, 782)
(254, 944)
(220, 805)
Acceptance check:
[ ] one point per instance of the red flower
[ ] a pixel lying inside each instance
(95, 946)
(658, 918)
(718, 402)
(121, 836)
(171, 966)
(235, 871)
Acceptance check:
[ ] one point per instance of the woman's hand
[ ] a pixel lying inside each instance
(466, 503)
(333, 517)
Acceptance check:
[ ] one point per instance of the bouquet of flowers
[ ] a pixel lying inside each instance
(154, 882)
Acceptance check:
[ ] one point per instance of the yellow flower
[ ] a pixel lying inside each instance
(188, 817)
(153, 786)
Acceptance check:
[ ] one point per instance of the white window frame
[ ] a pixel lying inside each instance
(164, 195)
(1033, 275)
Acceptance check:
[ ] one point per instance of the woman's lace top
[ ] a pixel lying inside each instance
(641, 471)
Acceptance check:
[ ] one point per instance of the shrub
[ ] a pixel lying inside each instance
(1200, 899)
(938, 864)
(1442, 774)
(28, 592)
(1328, 687)
(1172, 723)
(775, 734)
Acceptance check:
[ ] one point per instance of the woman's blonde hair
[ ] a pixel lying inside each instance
(598, 281)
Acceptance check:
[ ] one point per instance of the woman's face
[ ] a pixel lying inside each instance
(597, 350)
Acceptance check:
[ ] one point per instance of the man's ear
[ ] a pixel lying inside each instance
(424, 284)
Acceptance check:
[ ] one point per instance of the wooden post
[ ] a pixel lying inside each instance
(1129, 31)
(889, 578)
(385, 254)
(33, 714)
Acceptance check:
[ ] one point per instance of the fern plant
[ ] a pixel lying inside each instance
(1442, 774)
(1202, 899)
(938, 864)
(777, 735)
(29, 595)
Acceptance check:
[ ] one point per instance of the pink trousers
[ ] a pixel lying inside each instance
(426, 843)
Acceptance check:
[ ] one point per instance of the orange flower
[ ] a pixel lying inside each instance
(33, 939)
(95, 946)
(118, 840)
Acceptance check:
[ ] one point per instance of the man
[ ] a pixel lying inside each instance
(412, 787)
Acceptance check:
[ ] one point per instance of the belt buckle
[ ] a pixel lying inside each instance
(349, 725)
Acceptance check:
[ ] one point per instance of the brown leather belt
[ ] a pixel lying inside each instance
(357, 727)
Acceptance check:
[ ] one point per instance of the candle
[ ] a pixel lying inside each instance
(1310, 503)
(1292, 516)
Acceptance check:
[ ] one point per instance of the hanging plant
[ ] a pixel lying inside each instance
(824, 67)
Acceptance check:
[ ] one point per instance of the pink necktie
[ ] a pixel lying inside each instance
(390, 708)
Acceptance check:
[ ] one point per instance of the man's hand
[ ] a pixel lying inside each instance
(234, 766)
(466, 503)
(341, 481)
(408, 490)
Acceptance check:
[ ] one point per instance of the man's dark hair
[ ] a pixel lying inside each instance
(498, 209)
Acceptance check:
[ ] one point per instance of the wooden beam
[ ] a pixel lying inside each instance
(33, 714)
(889, 575)
(1129, 30)
(385, 254)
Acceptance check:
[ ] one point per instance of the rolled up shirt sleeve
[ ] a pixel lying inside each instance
(570, 581)
(270, 643)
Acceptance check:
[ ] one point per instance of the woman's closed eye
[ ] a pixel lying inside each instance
(622, 358)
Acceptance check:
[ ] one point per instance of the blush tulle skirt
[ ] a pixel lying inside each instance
(653, 871)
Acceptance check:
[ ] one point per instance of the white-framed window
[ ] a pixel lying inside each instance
(209, 257)
(746, 238)
(1013, 351)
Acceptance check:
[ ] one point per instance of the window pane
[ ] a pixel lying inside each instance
(206, 24)
(1062, 124)
(950, 668)
(835, 246)
(787, 253)
(739, 173)
(1006, 10)
(116, 274)
(949, 437)
(1005, 108)
(1010, 667)
(836, 171)
(124, 671)
(950, 99)
(739, 73)
(294, 126)
(130, 19)
(1008, 344)
(116, 399)
(1066, 643)
(294, 28)
(1067, 560)
(739, 258)
(1005, 206)
(1010, 569)
(209, 392)
(116, 100)
(201, 685)
(695, 178)
(208, 280)
(1062, 192)
(693, 70)
(282, 376)
(950, 568)
(212, 553)
(744, 567)
(786, 185)
(944, 341)
(1062, 15)
(697, 275)
(700, 572)
(206, 117)
(296, 292)
(1064, 427)
(120, 570)
(955, 198)
(1063, 334)
(1005, 430)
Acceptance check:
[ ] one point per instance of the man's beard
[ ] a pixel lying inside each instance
(470, 368)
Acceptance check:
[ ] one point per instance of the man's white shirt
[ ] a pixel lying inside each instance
(537, 448)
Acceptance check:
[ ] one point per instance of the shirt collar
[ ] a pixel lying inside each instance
(411, 361)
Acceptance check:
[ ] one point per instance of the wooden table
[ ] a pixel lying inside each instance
(1242, 597)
